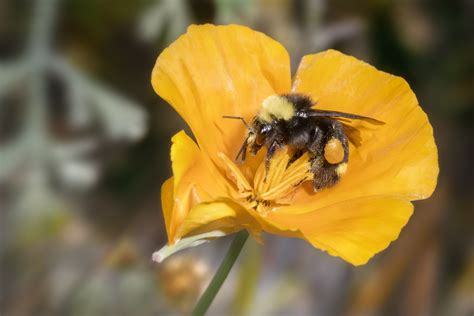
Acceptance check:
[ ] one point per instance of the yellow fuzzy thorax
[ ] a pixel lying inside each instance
(277, 107)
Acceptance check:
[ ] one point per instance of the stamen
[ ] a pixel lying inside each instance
(234, 173)
(272, 188)
(281, 181)
(263, 181)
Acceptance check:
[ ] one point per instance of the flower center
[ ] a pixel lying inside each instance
(264, 191)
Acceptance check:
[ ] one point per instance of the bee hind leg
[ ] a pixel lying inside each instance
(328, 174)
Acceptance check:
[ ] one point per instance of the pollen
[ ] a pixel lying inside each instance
(334, 151)
(278, 107)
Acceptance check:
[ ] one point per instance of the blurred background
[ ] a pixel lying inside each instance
(84, 148)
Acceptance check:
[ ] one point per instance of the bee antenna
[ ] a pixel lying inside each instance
(238, 118)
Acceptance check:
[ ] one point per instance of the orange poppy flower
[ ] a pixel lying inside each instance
(213, 71)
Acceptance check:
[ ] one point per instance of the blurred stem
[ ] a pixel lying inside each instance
(41, 27)
(221, 274)
(39, 50)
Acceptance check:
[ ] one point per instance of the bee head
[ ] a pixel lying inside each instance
(251, 137)
(251, 129)
(254, 141)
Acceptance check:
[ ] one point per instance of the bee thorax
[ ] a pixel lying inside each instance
(277, 107)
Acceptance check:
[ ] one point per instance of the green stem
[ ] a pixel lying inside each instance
(221, 274)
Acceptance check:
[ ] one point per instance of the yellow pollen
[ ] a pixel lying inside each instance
(333, 151)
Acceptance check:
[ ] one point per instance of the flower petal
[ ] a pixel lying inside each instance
(195, 180)
(185, 243)
(354, 230)
(213, 71)
(167, 197)
(222, 214)
(397, 158)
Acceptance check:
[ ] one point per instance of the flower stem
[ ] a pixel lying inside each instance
(221, 274)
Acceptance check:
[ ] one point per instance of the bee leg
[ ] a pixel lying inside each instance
(255, 148)
(241, 156)
(327, 174)
(297, 184)
(296, 155)
(270, 152)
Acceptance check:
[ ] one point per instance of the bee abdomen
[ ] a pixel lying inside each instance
(325, 174)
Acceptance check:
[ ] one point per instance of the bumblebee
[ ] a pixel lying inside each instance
(291, 120)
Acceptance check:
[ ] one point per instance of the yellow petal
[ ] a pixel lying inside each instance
(236, 175)
(223, 214)
(195, 180)
(354, 230)
(184, 155)
(213, 71)
(167, 197)
(397, 158)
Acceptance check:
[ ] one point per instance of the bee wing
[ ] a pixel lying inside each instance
(353, 134)
(340, 116)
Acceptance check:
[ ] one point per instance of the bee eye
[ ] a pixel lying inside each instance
(265, 129)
